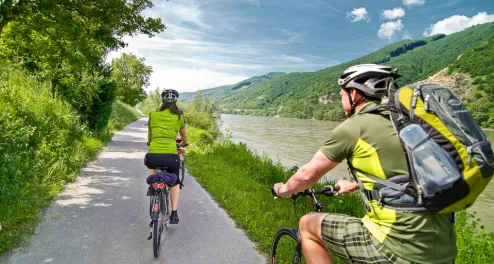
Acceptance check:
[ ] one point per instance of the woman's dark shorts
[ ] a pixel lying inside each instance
(171, 161)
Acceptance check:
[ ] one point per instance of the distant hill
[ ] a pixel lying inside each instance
(315, 94)
(471, 77)
(217, 93)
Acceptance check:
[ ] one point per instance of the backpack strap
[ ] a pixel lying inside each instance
(373, 109)
(361, 186)
(398, 190)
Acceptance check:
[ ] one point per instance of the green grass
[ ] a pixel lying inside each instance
(42, 146)
(475, 245)
(239, 181)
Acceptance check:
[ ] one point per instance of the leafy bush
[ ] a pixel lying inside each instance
(42, 146)
(475, 245)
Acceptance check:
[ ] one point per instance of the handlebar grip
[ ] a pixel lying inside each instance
(330, 190)
(295, 196)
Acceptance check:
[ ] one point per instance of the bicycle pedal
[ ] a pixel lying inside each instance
(150, 236)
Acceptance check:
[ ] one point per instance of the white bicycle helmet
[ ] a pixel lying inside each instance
(372, 80)
(169, 96)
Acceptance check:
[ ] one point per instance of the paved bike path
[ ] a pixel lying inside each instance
(103, 217)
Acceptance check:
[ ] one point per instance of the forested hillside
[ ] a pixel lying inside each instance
(220, 92)
(315, 94)
(478, 62)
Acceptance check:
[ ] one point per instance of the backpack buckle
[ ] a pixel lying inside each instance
(415, 96)
(380, 199)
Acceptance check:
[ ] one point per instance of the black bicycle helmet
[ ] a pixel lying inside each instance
(169, 96)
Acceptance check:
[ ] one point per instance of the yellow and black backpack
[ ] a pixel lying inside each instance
(449, 157)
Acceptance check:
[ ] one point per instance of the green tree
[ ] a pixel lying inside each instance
(152, 102)
(197, 100)
(66, 42)
(8, 10)
(112, 18)
(56, 38)
(131, 76)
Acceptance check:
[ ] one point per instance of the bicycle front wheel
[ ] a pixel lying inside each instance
(287, 247)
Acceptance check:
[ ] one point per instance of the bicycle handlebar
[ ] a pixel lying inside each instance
(328, 190)
(178, 144)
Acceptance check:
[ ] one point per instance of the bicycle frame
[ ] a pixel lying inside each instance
(158, 203)
(181, 153)
(294, 233)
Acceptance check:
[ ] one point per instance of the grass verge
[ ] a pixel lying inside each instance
(239, 181)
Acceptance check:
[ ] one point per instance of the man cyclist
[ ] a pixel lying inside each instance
(369, 142)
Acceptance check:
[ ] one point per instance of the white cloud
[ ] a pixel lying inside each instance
(458, 23)
(410, 3)
(189, 79)
(407, 35)
(198, 49)
(292, 59)
(358, 14)
(191, 13)
(392, 14)
(255, 2)
(389, 29)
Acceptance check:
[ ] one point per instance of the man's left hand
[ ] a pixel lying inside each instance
(279, 189)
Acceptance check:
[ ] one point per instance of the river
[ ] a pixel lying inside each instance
(293, 142)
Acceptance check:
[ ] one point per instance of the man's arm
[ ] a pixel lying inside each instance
(307, 175)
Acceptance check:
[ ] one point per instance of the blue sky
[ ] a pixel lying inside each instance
(209, 43)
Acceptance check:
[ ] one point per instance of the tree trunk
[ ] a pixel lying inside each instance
(16, 10)
(3, 24)
(53, 87)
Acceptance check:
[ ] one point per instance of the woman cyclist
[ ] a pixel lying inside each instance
(163, 127)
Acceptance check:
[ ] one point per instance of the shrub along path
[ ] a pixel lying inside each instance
(103, 217)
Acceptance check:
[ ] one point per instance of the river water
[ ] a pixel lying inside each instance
(293, 142)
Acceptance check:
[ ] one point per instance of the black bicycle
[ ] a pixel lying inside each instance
(293, 234)
(159, 210)
(181, 153)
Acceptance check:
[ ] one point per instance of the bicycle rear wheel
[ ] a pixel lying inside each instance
(287, 247)
(156, 238)
(182, 168)
(157, 224)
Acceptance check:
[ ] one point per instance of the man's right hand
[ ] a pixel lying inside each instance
(346, 186)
